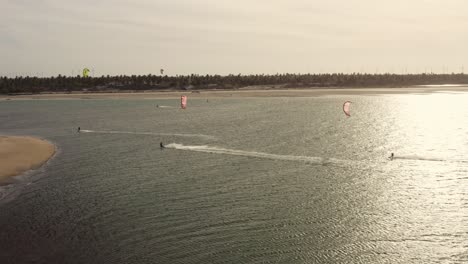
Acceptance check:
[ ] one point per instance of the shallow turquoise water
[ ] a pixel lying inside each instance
(252, 180)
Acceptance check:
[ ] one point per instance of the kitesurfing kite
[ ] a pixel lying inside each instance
(183, 101)
(346, 108)
(85, 72)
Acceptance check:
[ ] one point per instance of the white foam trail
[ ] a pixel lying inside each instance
(415, 157)
(216, 150)
(150, 133)
(165, 106)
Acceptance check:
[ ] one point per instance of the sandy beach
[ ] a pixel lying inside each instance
(251, 91)
(20, 154)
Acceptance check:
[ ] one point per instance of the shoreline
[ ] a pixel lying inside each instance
(19, 154)
(253, 91)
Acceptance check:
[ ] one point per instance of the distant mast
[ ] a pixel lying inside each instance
(183, 101)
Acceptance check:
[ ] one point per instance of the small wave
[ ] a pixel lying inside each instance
(254, 154)
(165, 106)
(150, 133)
(443, 85)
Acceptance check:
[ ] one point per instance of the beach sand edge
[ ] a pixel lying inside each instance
(19, 154)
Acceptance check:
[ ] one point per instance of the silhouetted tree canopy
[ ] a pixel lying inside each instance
(157, 82)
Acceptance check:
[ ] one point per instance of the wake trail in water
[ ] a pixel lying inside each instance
(418, 158)
(421, 158)
(254, 154)
(307, 159)
(150, 133)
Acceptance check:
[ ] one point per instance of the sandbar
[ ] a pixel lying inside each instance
(249, 91)
(20, 154)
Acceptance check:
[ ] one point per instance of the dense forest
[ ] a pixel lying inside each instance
(21, 85)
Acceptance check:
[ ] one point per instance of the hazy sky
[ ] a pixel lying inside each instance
(48, 37)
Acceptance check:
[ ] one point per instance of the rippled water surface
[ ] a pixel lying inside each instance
(251, 180)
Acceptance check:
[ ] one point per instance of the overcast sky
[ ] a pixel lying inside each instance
(50, 37)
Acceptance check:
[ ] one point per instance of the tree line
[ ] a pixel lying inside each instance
(61, 83)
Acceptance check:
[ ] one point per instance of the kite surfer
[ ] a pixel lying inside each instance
(161, 145)
(78, 129)
(391, 156)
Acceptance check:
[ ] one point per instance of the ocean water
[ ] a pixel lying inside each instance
(241, 180)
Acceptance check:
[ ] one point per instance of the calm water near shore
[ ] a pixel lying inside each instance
(242, 180)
